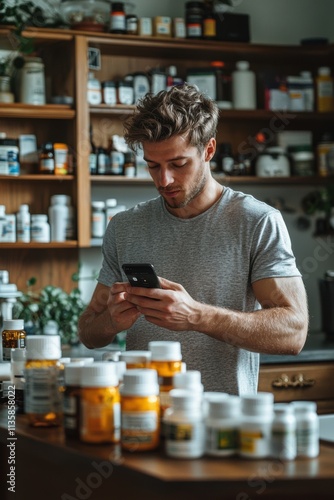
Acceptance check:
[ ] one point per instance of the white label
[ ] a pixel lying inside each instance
(42, 391)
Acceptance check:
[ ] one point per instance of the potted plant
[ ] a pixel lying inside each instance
(50, 304)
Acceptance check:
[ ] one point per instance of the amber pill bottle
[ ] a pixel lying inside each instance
(43, 392)
(136, 359)
(13, 337)
(100, 419)
(140, 410)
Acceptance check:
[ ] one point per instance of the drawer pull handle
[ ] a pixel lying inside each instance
(284, 382)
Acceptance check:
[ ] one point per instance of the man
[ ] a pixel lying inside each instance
(230, 286)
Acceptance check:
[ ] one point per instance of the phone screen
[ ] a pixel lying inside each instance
(141, 275)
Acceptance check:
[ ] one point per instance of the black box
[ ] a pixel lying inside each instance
(233, 27)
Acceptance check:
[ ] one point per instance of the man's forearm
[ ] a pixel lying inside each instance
(276, 330)
(95, 329)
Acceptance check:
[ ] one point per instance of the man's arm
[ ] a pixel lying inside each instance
(279, 328)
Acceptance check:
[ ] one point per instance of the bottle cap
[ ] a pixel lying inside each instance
(257, 404)
(324, 71)
(140, 382)
(13, 324)
(182, 399)
(98, 204)
(120, 370)
(224, 407)
(190, 380)
(304, 406)
(283, 408)
(99, 374)
(72, 373)
(42, 347)
(85, 360)
(242, 65)
(111, 202)
(60, 199)
(165, 350)
(135, 356)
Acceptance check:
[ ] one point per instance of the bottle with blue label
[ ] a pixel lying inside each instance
(9, 156)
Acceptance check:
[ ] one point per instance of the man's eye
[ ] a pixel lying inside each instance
(177, 165)
(152, 166)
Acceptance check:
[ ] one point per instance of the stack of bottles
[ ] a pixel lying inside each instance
(144, 399)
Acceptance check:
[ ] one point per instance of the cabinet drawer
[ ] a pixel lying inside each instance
(313, 381)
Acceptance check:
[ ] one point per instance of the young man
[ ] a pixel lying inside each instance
(230, 286)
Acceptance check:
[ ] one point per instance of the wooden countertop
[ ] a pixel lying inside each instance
(70, 470)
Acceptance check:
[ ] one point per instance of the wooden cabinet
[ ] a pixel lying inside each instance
(302, 381)
(64, 53)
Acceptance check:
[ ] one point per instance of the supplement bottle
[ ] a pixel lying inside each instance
(61, 158)
(307, 430)
(194, 19)
(100, 404)
(140, 410)
(94, 91)
(18, 358)
(255, 425)
(184, 425)
(243, 87)
(47, 159)
(58, 217)
(40, 228)
(136, 359)
(98, 224)
(32, 82)
(23, 224)
(109, 93)
(283, 432)
(117, 18)
(43, 401)
(222, 426)
(13, 337)
(71, 399)
(325, 90)
(166, 358)
(131, 23)
(189, 380)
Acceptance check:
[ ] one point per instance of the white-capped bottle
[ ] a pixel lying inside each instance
(23, 224)
(98, 219)
(307, 430)
(40, 228)
(243, 86)
(283, 432)
(184, 426)
(222, 426)
(255, 425)
(189, 380)
(58, 217)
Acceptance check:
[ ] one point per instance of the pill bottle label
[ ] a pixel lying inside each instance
(221, 439)
(139, 427)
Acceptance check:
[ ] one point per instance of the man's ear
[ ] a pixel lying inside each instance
(210, 149)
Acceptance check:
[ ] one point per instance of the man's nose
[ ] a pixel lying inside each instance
(166, 177)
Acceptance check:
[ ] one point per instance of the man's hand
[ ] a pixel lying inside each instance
(122, 312)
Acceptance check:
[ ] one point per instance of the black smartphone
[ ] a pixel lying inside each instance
(141, 275)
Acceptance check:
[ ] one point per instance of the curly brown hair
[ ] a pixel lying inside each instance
(182, 110)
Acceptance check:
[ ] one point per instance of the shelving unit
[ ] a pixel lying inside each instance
(64, 53)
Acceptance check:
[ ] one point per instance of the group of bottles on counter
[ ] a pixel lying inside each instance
(57, 225)
(142, 399)
(101, 214)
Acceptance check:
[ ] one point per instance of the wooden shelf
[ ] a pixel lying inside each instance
(35, 245)
(37, 178)
(49, 111)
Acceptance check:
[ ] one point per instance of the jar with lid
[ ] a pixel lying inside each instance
(131, 23)
(194, 19)
(46, 159)
(100, 403)
(40, 228)
(43, 403)
(136, 359)
(283, 432)
(307, 429)
(58, 217)
(243, 87)
(98, 224)
(302, 159)
(94, 92)
(222, 425)
(117, 18)
(32, 81)
(140, 410)
(109, 93)
(13, 336)
(125, 94)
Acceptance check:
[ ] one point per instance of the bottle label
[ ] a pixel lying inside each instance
(100, 421)
(117, 21)
(42, 391)
(6, 351)
(139, 427)
(222, 439)
(47, 165)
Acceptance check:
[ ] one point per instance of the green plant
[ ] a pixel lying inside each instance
(51, 303)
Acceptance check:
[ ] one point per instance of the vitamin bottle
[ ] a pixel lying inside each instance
(222, 426)
(136, 359)
(17, 365)
(98, 222)
(189, 380)
(140, 410)
(307, 428)
(166, 358)
(183, 425)
(100, 404)
(117, 18)
(13, 336)
(43, 392)
(325, 89)
(40, 228)
(255, 425)
(47, 159)
(71, 399)
(23, 224)
(283, 432)
(58, 217)
(243, 87)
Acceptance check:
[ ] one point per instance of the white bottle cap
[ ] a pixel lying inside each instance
(165, 350)
(42, 347)
(61, 199)
(98, 204)
(324, 71)
(182, 399)
(135, 356)
(257, 404)
(209, 395)
(190, 380)
(224, 407)
(242, 65)
(99, 374)
(140, 382)
(13, 324)
(304, 406)
(283, 408)
(111, 202)
(85, 360)
(72, 373)
(120, 370)
(24, 208)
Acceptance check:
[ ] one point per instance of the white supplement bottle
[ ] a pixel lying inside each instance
(58, 217)
(98, 221)
(243, 87)
(40, 228)
(255, 425)
(283, 432)
(307, 431)
(222, 426)
(184, 426)
(23, 224)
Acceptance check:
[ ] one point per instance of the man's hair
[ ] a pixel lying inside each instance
(182, 110)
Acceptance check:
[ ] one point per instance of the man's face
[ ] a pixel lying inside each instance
(179, 171)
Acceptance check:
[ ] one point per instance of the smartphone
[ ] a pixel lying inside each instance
(141, 275)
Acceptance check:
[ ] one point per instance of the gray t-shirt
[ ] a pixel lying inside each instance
(215, 256)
